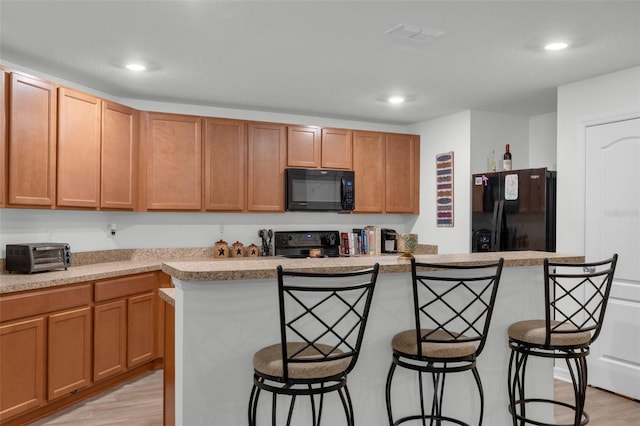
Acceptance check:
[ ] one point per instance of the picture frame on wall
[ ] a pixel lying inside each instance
(444, 190)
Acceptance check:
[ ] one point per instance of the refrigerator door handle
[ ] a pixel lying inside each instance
(496, 226)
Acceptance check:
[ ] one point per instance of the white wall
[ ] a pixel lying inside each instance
(444, 134)
(492, 131)
(604, 97)
(542, 141)
(87, 231)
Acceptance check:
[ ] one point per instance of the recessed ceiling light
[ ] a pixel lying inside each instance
(396, 99)
(556, 46)
(135, 67)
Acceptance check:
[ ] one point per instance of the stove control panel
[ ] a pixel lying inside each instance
(298, 243)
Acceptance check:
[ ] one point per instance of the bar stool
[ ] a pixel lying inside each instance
(322, 322)
(576, 298)
(452, 309)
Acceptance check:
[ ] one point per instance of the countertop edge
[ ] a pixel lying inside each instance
(265, 269)
(206, 269)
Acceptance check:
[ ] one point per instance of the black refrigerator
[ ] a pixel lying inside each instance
(514, 210)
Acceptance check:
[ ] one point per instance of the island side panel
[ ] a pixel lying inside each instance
(220, 324)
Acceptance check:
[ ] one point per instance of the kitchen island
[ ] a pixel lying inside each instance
(225, 311)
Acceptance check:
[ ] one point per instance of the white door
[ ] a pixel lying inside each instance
(612, 220)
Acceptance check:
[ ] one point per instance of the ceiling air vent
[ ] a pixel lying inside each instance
(413, 32)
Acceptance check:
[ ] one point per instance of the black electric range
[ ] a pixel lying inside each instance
(300, 244)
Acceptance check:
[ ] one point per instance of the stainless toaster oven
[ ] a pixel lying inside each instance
(37, 257)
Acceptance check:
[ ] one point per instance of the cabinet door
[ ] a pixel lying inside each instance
(78, 149)
(119, 158)
(22, 366)
(266, 160)
(32, 141)
(337, 149)
(225, 159)
(3, 135)
(140, 329)
(69, 352)
(173, 156)
(109, 339)
(402, 173)
(303, 146)
(368, 166)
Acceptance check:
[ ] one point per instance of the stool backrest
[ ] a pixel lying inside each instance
(327, 312)
(454, 302)
(576, 296)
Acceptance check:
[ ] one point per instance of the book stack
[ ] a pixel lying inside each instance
(361, 241)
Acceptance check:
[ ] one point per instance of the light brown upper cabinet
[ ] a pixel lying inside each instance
(402, 173)
(119, 159)
(225, 165)
(368, 167)
(79, 122)
(4, 81)
(266, 160)
(32, 142)
(312, 147)
(303, 146)
(337, 149)
(172, 157)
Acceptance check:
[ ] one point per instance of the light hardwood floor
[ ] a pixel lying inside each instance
(139, 402)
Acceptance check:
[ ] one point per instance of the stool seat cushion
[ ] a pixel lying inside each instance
(534, 332)
(268, 361)
(405, 342)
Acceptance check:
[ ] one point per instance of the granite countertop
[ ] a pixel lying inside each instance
(12, 282)
(168, 295)
(264, 268)
(199, 265)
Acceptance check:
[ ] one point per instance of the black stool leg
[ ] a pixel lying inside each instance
(387, 392)
(293, 401)
(346, 404)
(253, 403)
(579, 380)
(516, 377)
(474, 370)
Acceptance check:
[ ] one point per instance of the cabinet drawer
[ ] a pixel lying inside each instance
(44, 301)
(125, 286)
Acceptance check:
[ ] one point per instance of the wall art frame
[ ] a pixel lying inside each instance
(444, 190)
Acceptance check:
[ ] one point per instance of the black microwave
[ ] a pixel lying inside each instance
(319, 190)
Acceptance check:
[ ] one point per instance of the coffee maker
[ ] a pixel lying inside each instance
(389, 243)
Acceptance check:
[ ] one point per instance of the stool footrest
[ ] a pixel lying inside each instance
(429, 417)
(523, 402)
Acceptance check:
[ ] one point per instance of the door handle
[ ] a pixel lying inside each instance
(589, 269)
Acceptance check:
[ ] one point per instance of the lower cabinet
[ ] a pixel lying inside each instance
(45, 347)
(69, 352)
(61, 345)
(109, 339)
(22, 366)
(140, 329)
(125, 323)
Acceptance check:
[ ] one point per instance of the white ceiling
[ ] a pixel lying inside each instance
(325, 58)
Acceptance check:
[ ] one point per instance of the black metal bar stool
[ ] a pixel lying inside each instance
(322, 322)
(452, 308)
(576, 298)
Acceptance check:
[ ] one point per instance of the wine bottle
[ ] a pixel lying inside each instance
(492, 164)
(506, 163)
